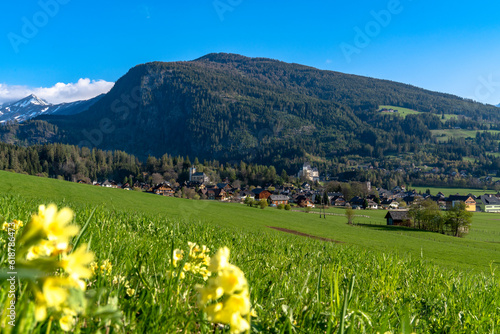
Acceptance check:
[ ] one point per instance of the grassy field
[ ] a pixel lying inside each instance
(378, 279)
(454, 191)
(439, 249)
(444, 135)
(405, 111)
(401, 111)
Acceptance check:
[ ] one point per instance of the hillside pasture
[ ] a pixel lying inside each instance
(378, 279)
(447, 251)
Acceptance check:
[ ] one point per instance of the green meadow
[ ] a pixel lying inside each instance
(375, 278)
(405, 111)
(454, 191)
(445, 134)
(401, 111)
(369, 233)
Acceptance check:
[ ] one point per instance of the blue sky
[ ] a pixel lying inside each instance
(446, 46)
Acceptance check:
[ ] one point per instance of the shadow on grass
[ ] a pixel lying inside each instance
(393, 228)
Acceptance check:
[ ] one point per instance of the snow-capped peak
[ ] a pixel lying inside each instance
(32, 106)
(31, 99)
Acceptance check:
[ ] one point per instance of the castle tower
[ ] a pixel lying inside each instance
(192, 170)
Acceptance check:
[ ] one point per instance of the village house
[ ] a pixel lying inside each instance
(164, 190)
(371, 205)
(453, 200)
(261, 194)
(389, 204)
(304, 202)
(490, 203)
(338, 201)
(357, 202)
(107, 184)
(279, 199)
(216, 194)
(246, 193)
(225, 186)
(305, 186)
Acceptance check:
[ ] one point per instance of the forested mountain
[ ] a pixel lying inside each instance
(230, 107)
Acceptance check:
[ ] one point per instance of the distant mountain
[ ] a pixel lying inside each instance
(27, 108)
(230, 107)
(32, 106)
(498, 105)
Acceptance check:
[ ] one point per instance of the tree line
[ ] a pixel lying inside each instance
(426, 215)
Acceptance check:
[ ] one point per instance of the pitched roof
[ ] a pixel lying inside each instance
(458, 198)
(397, 215)
(257, 191)
(490, 200)
(279, 198)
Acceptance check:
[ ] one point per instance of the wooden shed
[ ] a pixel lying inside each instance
(398, 218)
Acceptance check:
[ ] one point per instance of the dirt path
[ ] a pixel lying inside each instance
(304, 234)
(330, 213)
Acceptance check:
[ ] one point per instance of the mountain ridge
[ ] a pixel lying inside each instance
(231, 107)
(32, 106)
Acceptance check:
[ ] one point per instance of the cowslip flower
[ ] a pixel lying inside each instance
(226, 294)
(44, 245)
(76, 265)
(53, 295)
(220, 260)
(196, 262)
(177, 256)
(130, 292)
(54, 226)
(15, 225)
(105, 268)
(67, 321)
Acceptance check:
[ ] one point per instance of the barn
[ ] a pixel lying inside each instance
(398, 218)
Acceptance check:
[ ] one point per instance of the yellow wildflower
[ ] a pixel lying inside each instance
(197, 252)
(93, 267)
(196, 262)
(54, 291)
(219, 260)
(43, 249)
(54, 225)
(118, 279)
(130, 292)
(209, 293)
(40, 307)
(76, 264)
(16, 225)
(231, 279)
(177, 256)
(187, 266)
(227, 292)
(106, 267)
(67, 321)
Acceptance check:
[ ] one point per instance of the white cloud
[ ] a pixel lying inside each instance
(84, 89)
